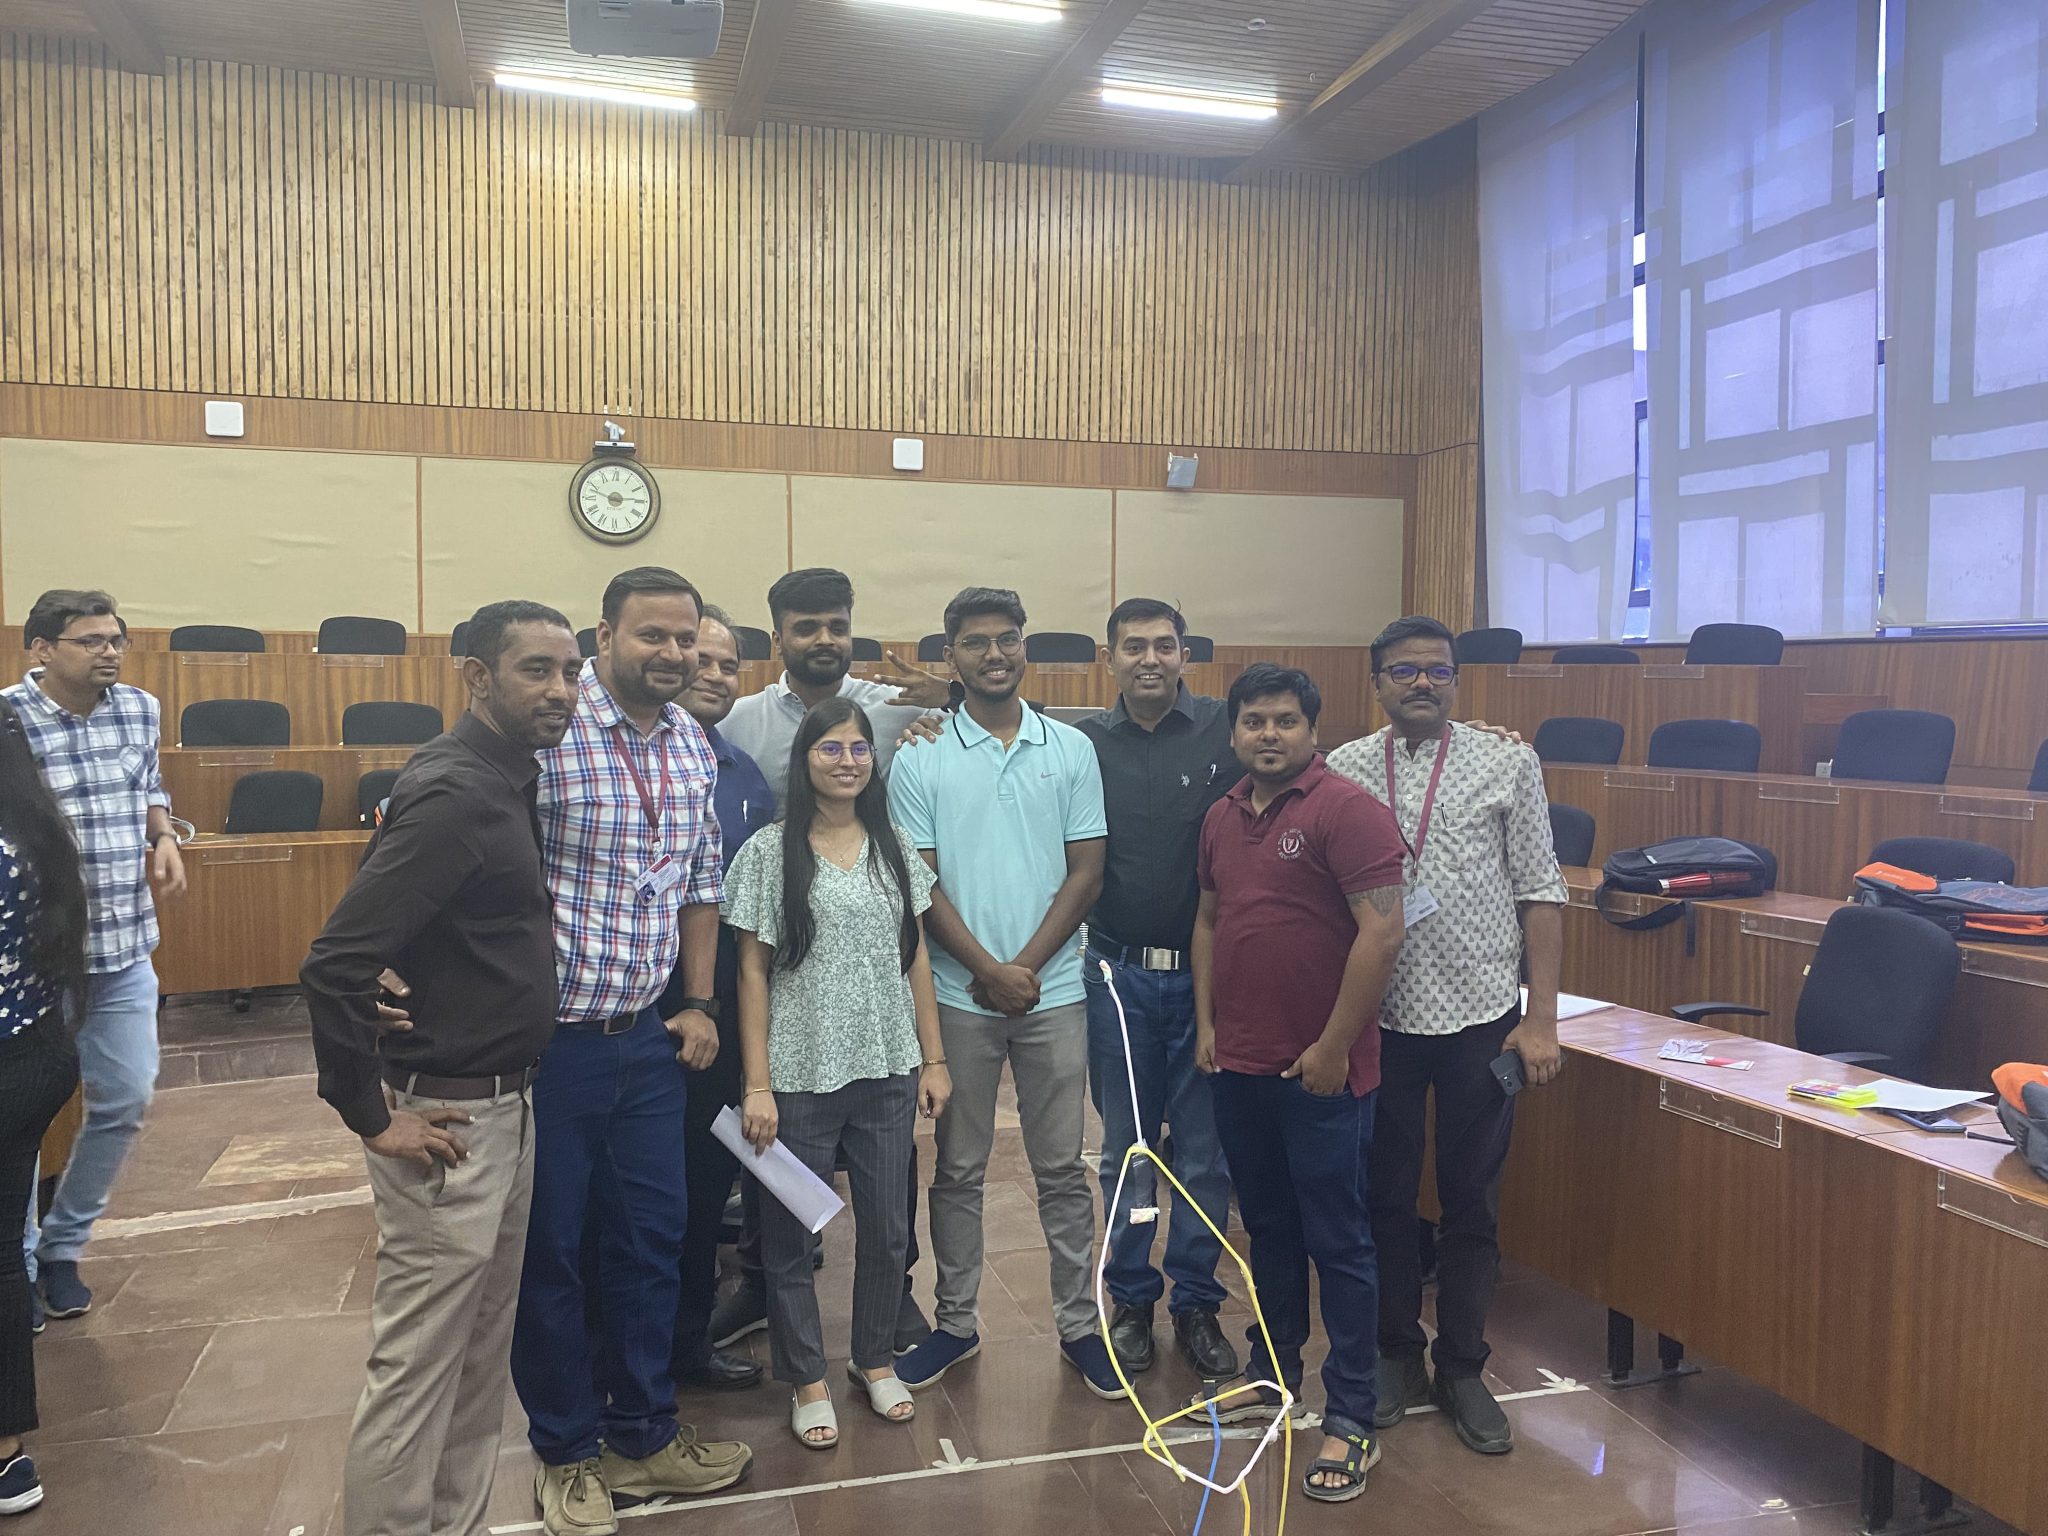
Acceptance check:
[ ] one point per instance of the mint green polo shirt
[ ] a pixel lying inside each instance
(1000, 823)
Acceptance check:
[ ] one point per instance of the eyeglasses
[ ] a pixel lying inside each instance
(97, 645)
(840, 751)
(1405, 672)
(1009, 643)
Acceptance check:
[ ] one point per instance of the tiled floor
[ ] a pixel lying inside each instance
(208, 1391)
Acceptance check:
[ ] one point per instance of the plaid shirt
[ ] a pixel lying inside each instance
(103, 770)
(614, 951)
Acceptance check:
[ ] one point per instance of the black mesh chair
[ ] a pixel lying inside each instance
(1488, 648)
(1058, 645)
(1735, 645)
(372, 790)
(389, 723)
(2039, 782)
(216, 637)
(1946, 858)
(1571, 833)
(754, 645)
(1898, 746)
(280, 800)
(866, 650)
(1719, 746)
(932, 648)
(1198, 647)
(1596, 656)
(1579, 739)
(586, 642)
(235, 723)
(1874, 994)
(458, 642)
(351, 636)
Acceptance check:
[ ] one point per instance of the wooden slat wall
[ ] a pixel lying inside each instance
(1442, 540)
(257, 231)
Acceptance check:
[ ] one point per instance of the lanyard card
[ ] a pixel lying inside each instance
(1416, 904)
(658, 878)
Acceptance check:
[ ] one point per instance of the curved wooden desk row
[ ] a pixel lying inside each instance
(1882, 1278)
(253, 907)
(1822, 830)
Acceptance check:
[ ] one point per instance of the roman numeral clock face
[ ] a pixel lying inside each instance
(615, 500)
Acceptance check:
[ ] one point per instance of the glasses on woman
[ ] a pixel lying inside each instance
(859, 752)
(1405, 672)
(97, 645)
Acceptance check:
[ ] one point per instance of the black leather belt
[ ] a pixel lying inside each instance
(427, 1086)
(617, 1024)
(1142, 956)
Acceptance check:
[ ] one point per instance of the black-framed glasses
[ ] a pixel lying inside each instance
(1009, 643)
(97, 645)
(840, 751)
(1405, 672)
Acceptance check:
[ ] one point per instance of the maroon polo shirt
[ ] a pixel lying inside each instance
(1284, 928)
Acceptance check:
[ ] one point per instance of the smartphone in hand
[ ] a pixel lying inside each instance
(1507, 1071)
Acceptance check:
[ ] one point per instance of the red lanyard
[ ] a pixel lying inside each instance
(1443, 752)
(648, 806)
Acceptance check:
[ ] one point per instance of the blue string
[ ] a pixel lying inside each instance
(1215, 1459)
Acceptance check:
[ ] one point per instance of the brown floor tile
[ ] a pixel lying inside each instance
(362, 1287)
(102, 1389)
(298, 1155)
(310, 1496)
(228, 1285)
(284, 1368)
(1047, 1497)
(1020, 1398)
(1009, 1217)
(220, 1482)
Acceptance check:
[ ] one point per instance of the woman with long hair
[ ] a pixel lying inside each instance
(839, 1035)
(42, 973)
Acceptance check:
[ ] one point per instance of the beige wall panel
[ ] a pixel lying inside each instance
(276, 540)
(495, 529)
(1264, 570)
(910, 545)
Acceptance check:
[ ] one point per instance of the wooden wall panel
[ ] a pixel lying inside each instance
(1443, 536)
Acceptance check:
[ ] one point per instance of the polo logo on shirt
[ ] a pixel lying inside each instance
(1292, 843)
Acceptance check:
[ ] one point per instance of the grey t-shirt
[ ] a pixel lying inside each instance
(763, 725)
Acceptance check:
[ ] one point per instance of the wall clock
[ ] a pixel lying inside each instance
(614, 499)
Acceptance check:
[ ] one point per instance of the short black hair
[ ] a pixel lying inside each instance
(1142, 610)
(490, 627)
(55, 610)
(645, 578)
(1417, 626)
(815, 589)
(973, 602)
(1264, 680)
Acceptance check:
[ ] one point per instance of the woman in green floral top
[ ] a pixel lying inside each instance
(839, 1035)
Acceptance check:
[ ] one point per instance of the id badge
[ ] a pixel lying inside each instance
(1417, 904)
(663, 875)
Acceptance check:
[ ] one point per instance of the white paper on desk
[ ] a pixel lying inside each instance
(1569, 1004)
(1892, 1094)
(806, 1196)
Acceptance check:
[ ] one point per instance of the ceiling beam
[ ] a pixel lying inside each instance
(1410, 38)
(454, 86)
(759, 64)
(131, 43)
(1013, 131)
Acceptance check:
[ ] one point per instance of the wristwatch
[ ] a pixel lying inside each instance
(708, 1006)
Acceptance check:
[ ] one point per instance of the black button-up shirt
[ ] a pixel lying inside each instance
(1157, 785)
(452, 898)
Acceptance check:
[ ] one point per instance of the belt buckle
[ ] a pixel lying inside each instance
(1159, 959)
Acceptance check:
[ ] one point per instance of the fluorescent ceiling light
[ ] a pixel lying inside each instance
(984, 10)
(591, 90)
(1247, 109)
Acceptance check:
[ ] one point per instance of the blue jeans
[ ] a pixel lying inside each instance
(1298, 1161)
(608, 1115)
(117, 1062)
(1160, 1009)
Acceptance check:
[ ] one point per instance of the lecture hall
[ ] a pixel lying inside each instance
(1082, 767)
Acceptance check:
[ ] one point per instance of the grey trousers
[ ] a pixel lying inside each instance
(1048, 1056)
(875, 1120)
(450, 1244)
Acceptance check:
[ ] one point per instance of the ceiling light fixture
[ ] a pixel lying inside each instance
(591, 90)
(1039, 11)
(1146, 98)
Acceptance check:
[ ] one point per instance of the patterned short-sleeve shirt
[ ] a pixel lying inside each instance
(26, 994)
(1488, 851)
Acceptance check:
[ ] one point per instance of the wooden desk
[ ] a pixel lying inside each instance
(1874, 1276)
(254, 907)
(201, 780)
(1756, 952)
(1523, 696)
(1822, 830)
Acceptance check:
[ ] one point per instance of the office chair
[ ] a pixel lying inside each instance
(1945, 858)
(1579, 739)
(1571, 834)
(276, 800)
(235, 723)
(1199, 647)
(1899, 746)
(1058, 645)
(1595, 656)
(1735, 645)
(753, 643)
(586, 642)
(2039, 782)
(351, 636)
(458, 641)
(216, 637)
(866, 650)
(1719, 746)
(1488, 648)
(932, 648)
(372, 790)
(389, 723)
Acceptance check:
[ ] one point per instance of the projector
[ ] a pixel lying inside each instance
(646, 29)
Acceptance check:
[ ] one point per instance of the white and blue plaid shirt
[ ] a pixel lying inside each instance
(103, 769)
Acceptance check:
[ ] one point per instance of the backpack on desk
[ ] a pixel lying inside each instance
(1689, 869)
(1981, 910)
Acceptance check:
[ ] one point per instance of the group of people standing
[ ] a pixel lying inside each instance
(617, 898)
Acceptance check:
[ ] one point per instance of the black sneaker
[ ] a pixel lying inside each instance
(20, 1488)
(1403, 1384)
(1474, 1414)
(723, 1370)
(64, 1294)
(1130, 1335)
(742, 1310)
(1202, 1341)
